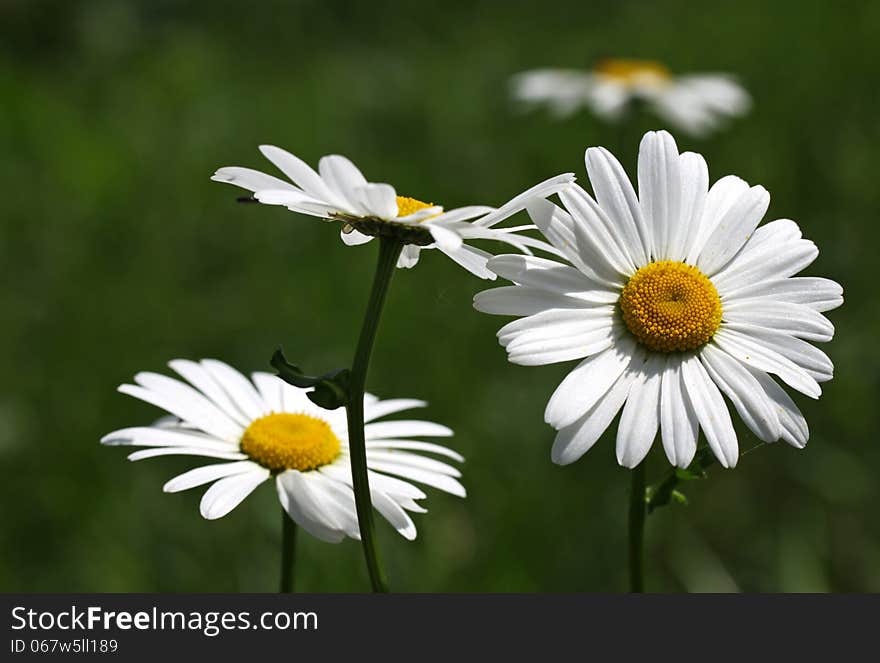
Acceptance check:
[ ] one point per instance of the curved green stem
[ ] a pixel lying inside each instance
(389, 250)
(637, 529)
(288, 550)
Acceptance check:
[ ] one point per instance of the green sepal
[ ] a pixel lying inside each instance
(329, 391)
(666, 491)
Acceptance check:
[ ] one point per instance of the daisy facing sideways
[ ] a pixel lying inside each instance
(338, 191)
(693, 103)
(673, 299)
(267, 429)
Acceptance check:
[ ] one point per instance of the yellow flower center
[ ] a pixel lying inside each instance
(670, 306)
(290, 442)
(633, 71)
(407, 205)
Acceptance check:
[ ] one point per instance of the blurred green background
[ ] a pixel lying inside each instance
(118, 254)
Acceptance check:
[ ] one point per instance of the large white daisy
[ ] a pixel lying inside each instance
(675, 297)
(267, 429)
(339, 191)
(694, 103)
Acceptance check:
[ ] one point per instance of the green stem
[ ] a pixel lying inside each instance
(288, 549)
(637, 529)
(389, 250)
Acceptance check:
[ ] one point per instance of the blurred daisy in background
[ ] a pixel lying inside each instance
(693, 103)
(339, 191)
(672, 298)
(267, 429)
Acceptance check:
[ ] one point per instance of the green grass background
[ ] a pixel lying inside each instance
(117, 254)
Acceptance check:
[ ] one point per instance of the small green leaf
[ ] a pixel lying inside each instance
(679, 497)
(330, 391)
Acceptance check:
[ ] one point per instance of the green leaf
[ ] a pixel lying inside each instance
(330, 391)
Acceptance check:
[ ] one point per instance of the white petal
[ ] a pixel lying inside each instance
(343, 177)
(341, 471)
(794, 319)
(381, 408)
(733, 230)
(695, 186)
(522, 300)
(518, 203)
(771, 261)
(679, 426)
(195, 410)
(551, 276)
(208, 473)
(415, 445)
(794, 426)
(721, 197)
(252, 180)
(439, 481)
(472, 259)
(351, 237)
(659, 190)
(409, 257)
(202, 380)
(237, 387)
(300, 173)
(616, 196)
(379, 200)
(582, 388)
(575, 440)
(394, 514)
(744, 391)
(557, 226)
(446, 239)
(817, 293)
(155, 436)
(641, 413)
(748, 348)
(271, 389)
(595, 234)
(226, 494)
(802, 354)
(303, 504)
(711, 410)
(403, 428)
(411, 460)
(226, 454)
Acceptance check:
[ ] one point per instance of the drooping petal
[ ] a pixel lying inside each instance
(679, 425)
(227, 493)
(711, 410)
(641, 413)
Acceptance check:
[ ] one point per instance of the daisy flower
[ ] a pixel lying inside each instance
(267, 429)
(673, 298)
(338, 191)
(694, 103)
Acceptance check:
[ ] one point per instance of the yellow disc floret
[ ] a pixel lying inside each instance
(407, 206)
(670, 306)
(290, 442)
(633, 71)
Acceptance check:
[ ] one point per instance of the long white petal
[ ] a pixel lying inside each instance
(679, 425)
(659, 190)
(226, 494)
(208, 473)
(711, 410)
(616, 196)
(641, 414)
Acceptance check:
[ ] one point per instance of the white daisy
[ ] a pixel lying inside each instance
(694, 103)
(338, 191)
(674, 297)
(268, 429)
